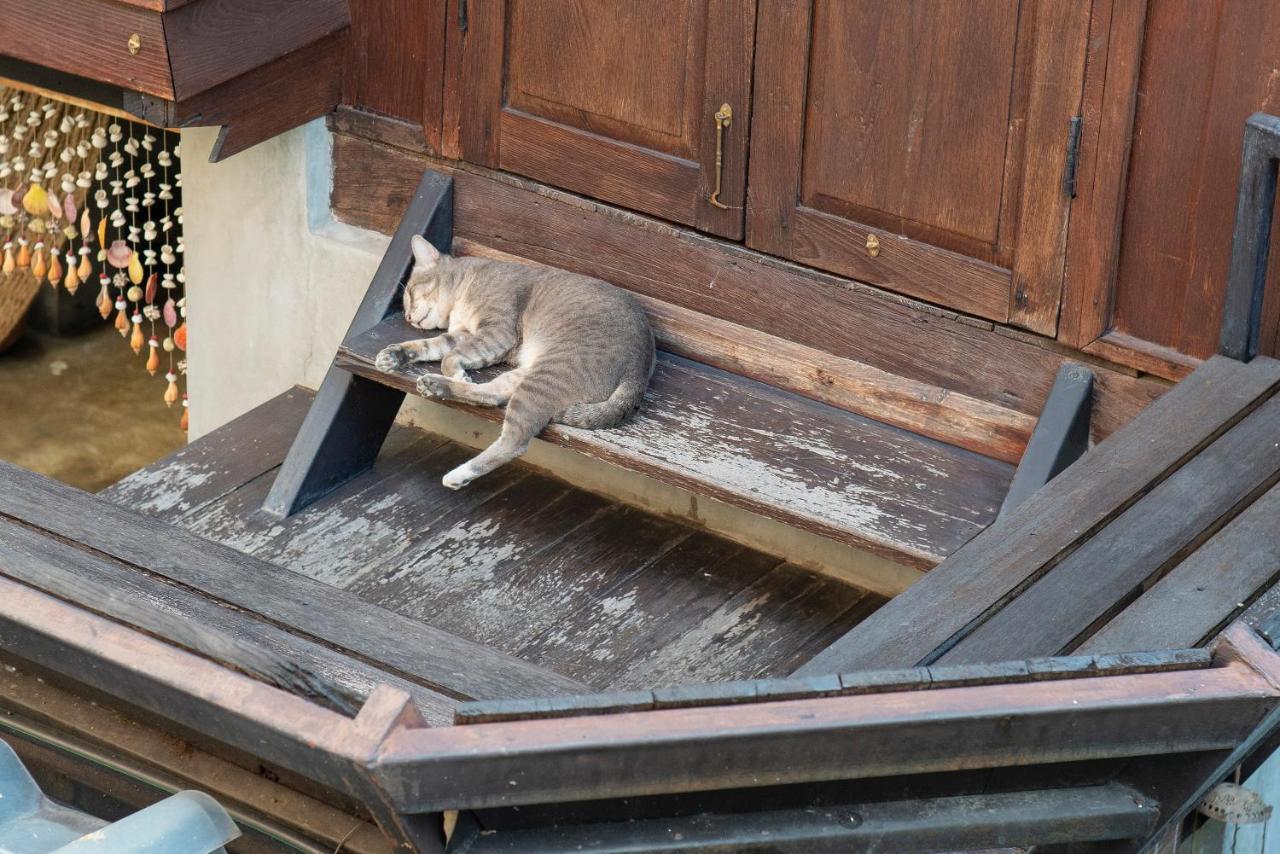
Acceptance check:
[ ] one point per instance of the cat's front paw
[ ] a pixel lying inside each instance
(433, 385)
(391, 359)
(459, 477)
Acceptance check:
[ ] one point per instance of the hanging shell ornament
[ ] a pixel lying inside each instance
(136, 273)
(170, 313)
(86, 266)
(185, 423)
(104, 302)
(53, 205)
(134, 294)
(122, 317)
(86, 223)
(153, 285)
(24, 254)
(119, 254)
(55, 268)
(69, 207)
(38, 265)
(137, 341)
(7, 207)
(36, 200)
(171, 393)
(180, 337)
(10, 263)
(72, 280)
(153, 360)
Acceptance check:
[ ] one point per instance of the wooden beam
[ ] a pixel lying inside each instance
(835, 738)
(351, 415)
(1085, 814)
(1060, 437)
(1251, 241)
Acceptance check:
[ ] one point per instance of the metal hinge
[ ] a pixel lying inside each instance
(1073, 156)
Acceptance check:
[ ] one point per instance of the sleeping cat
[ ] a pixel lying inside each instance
(581, 349)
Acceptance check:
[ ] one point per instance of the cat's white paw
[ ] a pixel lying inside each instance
(389, 359)
(459, 477)
(433, 385)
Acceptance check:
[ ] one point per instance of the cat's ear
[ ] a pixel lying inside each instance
(424, 253)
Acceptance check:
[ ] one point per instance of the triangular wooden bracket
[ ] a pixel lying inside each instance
(1060, 437)
(352, 415)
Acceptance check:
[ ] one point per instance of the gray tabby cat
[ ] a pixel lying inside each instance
(581, 349)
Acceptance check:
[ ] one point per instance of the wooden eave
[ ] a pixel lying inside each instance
(258, 67)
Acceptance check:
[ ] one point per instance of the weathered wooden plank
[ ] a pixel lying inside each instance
(428, 655)
(1061, 435)
(765, 629)
(375, 518)
(844, 738)
(998, 564)
(966, 822)
(1206, 590)
(200, 624)
(1251, 241)
(1090, 585)
(642, 613)
(835, 473)
(216, 464)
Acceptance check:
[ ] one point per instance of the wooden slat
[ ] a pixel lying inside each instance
(429, 655)
(739, 285)
(200, 624)
(781, 456)
(1088, 586)
(1083, 814)
(832, 738)
(919, 624)
(1205, 591)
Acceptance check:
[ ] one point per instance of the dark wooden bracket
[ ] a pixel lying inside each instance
(1060, 437)
(1251, 241)
(351, 415)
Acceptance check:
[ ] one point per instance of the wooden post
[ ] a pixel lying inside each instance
(1255, 203)
(351, 415)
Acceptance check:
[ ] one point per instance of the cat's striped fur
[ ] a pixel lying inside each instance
(581, 350)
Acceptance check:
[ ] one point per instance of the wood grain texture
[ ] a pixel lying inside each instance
(1012, 554)
(603, 594)
(316, 610)
(735, 284)
(395, 62)
(1200, 595)
(201, 624)
(627, 120)
(1155, 251)
(212, 41)
(1086, 588)
(955, 419)
(779, 455)
(836, 96)
(100, 30)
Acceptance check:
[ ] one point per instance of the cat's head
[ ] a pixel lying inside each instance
(428, 295)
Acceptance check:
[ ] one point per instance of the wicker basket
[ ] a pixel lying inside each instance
(17, 291)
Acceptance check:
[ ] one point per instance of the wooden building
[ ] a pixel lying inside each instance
(948, 520)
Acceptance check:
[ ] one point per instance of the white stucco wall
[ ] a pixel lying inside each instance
(272, 284)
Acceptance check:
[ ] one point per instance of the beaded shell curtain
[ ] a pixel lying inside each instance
(90, 200)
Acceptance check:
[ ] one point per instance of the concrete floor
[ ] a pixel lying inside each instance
(82, 409)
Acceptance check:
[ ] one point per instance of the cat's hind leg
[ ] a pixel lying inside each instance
(528, 412)
(496, 392)
(410, 352)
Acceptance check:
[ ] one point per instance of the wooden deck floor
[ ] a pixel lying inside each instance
(595, 590)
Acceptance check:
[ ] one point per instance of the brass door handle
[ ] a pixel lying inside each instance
(724, 117)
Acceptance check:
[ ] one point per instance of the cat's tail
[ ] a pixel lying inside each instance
(609, 412)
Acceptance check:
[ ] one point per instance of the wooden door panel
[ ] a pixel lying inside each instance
(612, 100)
(939, 129)
(1149, 254)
